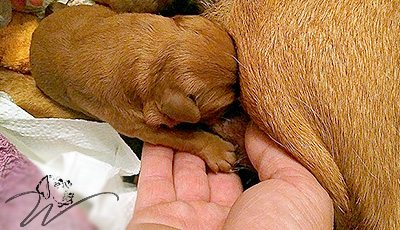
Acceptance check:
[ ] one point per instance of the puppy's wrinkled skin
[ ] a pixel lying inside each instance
(321, 77)
(141, 73)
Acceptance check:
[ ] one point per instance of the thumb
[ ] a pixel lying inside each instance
(288, 196)
(268, 158)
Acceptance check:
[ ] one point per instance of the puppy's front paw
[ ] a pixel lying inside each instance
(219, 155)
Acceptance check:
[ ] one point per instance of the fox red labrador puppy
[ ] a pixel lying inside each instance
(142, 73)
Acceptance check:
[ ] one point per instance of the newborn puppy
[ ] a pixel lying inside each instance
(141, 73)
(322, 78)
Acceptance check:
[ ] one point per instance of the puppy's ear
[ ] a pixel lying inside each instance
(179, 107)
(43, 188)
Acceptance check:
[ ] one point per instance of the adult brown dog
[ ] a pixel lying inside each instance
(322, 78)
(142, 73)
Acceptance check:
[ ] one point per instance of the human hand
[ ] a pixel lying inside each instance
(288, 196)
(20, 4)
(175, 191)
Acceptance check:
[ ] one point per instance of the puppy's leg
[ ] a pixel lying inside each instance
(217, 153)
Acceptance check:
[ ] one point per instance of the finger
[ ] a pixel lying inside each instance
(155, 180)
(225, 188)
(275, 164)
(288, 195)
(36, 2)
(270, 160)
(190, 178)
(18, 4)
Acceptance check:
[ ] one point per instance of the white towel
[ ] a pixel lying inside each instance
(89, 154)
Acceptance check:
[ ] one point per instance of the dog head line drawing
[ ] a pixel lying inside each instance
(50, 182)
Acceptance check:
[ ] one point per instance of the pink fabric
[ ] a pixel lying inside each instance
(9, 158)
(18, 175)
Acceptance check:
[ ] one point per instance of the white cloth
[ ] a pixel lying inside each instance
(89, 154)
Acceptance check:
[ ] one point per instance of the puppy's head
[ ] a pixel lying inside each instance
(195, 74)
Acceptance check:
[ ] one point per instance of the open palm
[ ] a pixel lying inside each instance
(176, 190)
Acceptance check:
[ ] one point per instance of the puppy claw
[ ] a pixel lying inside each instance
(231, 158)
(218, 154)
(224, 166)
(220, 162)
(213, 166)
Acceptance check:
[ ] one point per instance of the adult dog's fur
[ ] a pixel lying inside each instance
(142, 73)
(322, 78)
